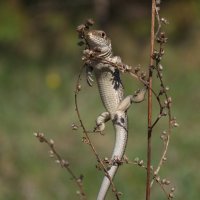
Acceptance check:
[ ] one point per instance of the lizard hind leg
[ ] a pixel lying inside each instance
(101, 120)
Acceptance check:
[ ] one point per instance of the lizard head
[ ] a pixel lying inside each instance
(97, 40)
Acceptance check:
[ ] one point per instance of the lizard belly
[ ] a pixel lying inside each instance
(111, 90)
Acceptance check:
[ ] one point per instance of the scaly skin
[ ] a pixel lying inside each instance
(112, 95)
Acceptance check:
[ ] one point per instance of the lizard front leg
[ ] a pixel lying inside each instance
(137, 97)
(89, 76)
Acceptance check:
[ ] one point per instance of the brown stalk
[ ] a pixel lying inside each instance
(148, 179)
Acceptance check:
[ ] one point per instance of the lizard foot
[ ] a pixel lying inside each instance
(100, 121)
(139, 95)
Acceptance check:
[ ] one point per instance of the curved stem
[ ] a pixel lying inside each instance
(89, 142)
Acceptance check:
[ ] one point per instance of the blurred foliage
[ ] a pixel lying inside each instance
(39, 62)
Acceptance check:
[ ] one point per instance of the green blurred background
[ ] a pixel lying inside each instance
(39, 63)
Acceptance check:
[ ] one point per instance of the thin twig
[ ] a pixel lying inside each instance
(63, 163)
(158, 21)
(166, 144)
(140, 163)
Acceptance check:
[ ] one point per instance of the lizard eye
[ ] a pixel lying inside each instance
(103, 35)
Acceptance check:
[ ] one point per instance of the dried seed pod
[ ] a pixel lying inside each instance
(166, 88)
(143, 75)
(106, 160)
(65, 163)
(90, 22)
(158, 2)
(164, 113)
(169, 99)
(137, 69)
(51, 154)
(141, 162)
(57, 161)
(120, 193)
(160, 67)
(165, 102)
(162, 34)
(158, 40)
(74, 126)
(35, 134)
(164, 158)
(136, 160)
(78, 192)
(51, 142)
(167, 182)
(165, 21)
(171, 195)
(176, 124)
(85, 140)
(157, 178)
(163, 137)
(40, 136)
(79, 87)
(172, 189)
(162, 52)
(80, 28)
(163, 181)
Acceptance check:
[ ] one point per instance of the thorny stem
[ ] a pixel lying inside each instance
(88, 138)
(148, 188)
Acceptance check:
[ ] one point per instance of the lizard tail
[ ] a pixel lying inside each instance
(120, 126)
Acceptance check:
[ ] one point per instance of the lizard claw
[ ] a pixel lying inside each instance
(99, 127)
(97, 130)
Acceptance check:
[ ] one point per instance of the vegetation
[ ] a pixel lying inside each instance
(39, 62)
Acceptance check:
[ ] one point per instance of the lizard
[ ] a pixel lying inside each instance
(112, 95)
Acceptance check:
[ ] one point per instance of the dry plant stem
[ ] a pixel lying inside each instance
(166, 144)
(64, 164)
(148, 179)
(89, 142)
(157, 181)
(161, 185)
